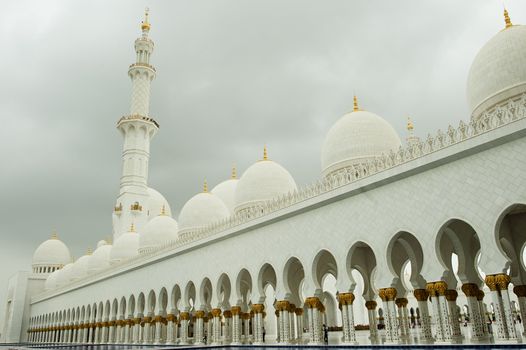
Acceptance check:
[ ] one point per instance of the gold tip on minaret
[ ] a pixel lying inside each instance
(265, 153)
(145, 25)
(355, 103)
(410, 125)
(507, 19)
(163, 210)
(132, 227)
(54, 235)
(234, 172)
(205, 187)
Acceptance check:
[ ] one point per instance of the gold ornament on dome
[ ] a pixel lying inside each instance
(145, 25)
(136, 206)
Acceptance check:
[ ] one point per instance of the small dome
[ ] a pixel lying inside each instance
(51, 281)
(101, 243)
(226, 191)
(52, 252)
(356, 138)
(202, 209)
(80, 267)
(159, 230)
(65, 275)
(100, 259)
(498, 72)
(155, 203)
(261, 182)
(125, 247)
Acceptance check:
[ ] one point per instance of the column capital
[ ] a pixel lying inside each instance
(491, 282)
(480, 295)
(236, 310)
(227, 314)
(200, 314)
(520, 291)
(216, 312)
(401, 302)
(387, 294)
(313, 302)
(258, 308)
(421, 294)
(282, 305)
(451, 295)
(440, 288)
(184, 316)
(298, 311)
(503, 280)
(470, 289)
(170, 317)
(371, 304)
(346, 298)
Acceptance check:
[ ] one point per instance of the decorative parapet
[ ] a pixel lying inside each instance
(508, 112)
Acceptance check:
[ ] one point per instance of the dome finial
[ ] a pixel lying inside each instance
(205, 186)
(163, 210)
(355, 104)
(410, 125)
(132, 227)
(89, 251)
(507, 19)
(265, 153)
(54, 234)
(145, 25)
(234, 171)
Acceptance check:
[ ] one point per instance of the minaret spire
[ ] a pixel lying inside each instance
(138, 129)
(355, 104)
(507, 19)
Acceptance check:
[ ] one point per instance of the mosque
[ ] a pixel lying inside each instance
(408, 242)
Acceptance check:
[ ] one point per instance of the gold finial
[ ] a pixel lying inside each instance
(355, 103)
(145, 25)
(205, 187)
(234, 171)
(109, 240)
(89, 251)
(410, 125)
(163, 210)
(265, 153)
(507, 19)
(54, 234)
(132, 227)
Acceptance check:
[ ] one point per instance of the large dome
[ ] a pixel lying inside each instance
(100, 259)
(202, 209)
(53, 253)
(261, 182)
(125, 247)
(226, 191)
(159, 230)
(499, 69)
(355, 138)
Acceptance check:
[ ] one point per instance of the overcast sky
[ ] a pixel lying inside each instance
(232, 76)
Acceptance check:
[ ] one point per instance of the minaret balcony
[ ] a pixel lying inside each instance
(135, 117)
(142, 65)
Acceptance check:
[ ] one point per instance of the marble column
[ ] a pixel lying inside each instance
(258, 310)
(246, 326)
(170, 334)
(471, 290)
(403, 318)
(299, 323)
(388, 296)
(199, 331)
(520, 291)
(314, 307)
(346, 301)
(227, 328)
(421, 296)
(216, 326)
(373, 325)
(445, 319)
(208, 325)
(282, 313)
(236, 325)
(456, 333)
(184, 320)
(498, 285)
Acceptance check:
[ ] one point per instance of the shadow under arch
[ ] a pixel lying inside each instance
(362, 258)
(403, 247)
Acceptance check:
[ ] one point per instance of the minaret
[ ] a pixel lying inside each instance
(137, 129)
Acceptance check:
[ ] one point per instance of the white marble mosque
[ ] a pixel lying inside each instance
(420, 241)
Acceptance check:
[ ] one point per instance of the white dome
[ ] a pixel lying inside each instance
(202, 209)
(100, 259)
(80, 267)
(65, 275)
(159, 230)
(52, 252)
(125, 247)
(261, 182)
(226, 191)
(355, 138)
(155, 203)
(498, 71)
(101, 243)
(51, 281)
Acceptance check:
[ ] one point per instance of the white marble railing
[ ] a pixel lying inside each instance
(511, 110)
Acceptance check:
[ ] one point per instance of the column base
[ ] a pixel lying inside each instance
(426, 341)
(507, 341)
(480, 340)
(258, 343)
(349, 342)
(236, 343)
(315, 343)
